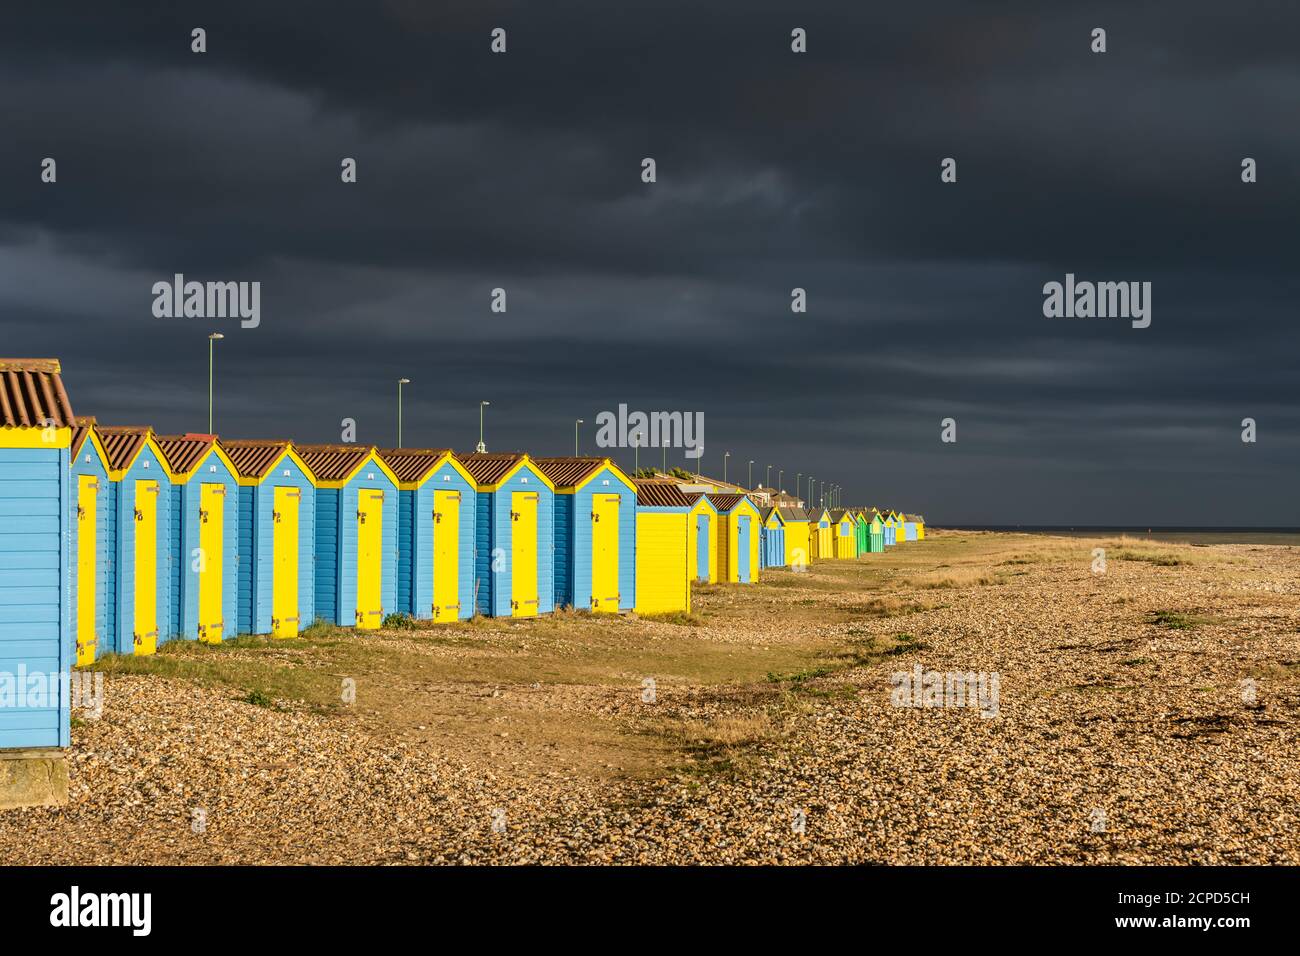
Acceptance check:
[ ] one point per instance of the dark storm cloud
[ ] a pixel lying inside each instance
(775, 171)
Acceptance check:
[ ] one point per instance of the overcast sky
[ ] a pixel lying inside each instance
(775, 170)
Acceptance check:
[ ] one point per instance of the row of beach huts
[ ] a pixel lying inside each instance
(114, 539)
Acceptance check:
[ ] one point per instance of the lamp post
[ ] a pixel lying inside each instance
(724, 467)
(212, 339)
(481, 447)
(636, 454)
(780, 473)
(768, 480)
(750, 485)
(575, 436)
(798, 476)
(400, 383)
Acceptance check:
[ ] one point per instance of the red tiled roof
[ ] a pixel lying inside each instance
(727, 502)
(80, 432)
(184, 452)
(568, 472)
(651, 493)
(122, 442)
(487, 468)
(333, 462)
(253, 457)
(32, 395)
(412, 464)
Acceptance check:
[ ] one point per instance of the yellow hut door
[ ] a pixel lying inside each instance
(284, 562)
(604, 554)
(212, 512)
(87, 561)
(446, 555)
(146, 567)
(523, 554)
(370, 538)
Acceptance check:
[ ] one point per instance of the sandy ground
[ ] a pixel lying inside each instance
(1147, 714)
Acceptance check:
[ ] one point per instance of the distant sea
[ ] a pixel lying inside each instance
(1290, 536)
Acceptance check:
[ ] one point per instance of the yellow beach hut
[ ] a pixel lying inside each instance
(738, 527)
(703, 556)
(844, 529)
(663, 547)
(819, 534)
(797, 548)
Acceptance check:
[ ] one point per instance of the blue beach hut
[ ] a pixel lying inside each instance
(92, 541)
(205, 517)
(437, 508)
(277, 537)
(143, 588)
(595, 534)
(37, 511)
(514, 528)
(356, 534)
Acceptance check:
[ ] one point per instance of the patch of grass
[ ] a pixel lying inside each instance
(954, 578)
(1162, 559)
(1176, 620)
(400, 621)
(258, 698)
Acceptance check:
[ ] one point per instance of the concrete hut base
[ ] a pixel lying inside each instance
(33, 778)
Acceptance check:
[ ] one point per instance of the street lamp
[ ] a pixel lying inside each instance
(780, 475)
(211, 341)
(481, 447)
(724, 467)
(575, 436)
(798, 477)
(400, 383)
(636, 454)
(750, 485)
(768, 479)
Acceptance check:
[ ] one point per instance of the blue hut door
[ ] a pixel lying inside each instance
(742, 548)
(702, 547)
